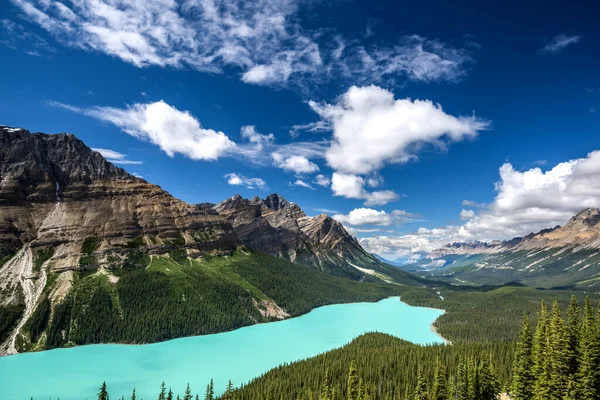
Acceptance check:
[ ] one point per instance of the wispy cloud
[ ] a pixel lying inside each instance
(115, 157)
(301, 183)
(15, 36)
(559, 43)
(262, 40)
(241, 180)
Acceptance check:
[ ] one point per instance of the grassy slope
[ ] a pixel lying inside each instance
(538, 268)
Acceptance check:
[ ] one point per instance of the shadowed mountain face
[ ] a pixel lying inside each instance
(560, 256)
(278, 227)
(55, 191)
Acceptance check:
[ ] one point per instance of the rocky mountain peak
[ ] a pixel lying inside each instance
(44, 166)
(588, 216)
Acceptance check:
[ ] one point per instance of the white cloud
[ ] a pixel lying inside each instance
(471, 203)
(296, 164)
(115, 157)
(532, 200)
(369, 216)
(371, 128)
(249, 132)
(414, 244)
(300, 182)
(263, 40)
(526, 202)
(559, 43)
(352, 187)
(466, 214)
(174, 131)
(322, 180)
(250, 183)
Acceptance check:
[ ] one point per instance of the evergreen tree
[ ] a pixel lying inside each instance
(228, 391)
(421, 389)
(573, 331)
(489, 386)
(327, 390)
(353, 386)
(170, 395)
(103, 394)
(523, 378)
(541, 367)
(163, 392)
(440, 390)
(133, 395)
(210, 391)
(188, 393)
(587, 375)
(462, 382)
(557, 355)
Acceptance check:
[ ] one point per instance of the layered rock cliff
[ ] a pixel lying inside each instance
(57, 192)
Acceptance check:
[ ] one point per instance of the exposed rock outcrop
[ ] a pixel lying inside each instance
(278, 227)
(57, 192)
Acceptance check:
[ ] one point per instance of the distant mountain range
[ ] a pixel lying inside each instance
(566, 255)
(83, 240)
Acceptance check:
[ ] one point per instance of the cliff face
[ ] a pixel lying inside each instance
(55, 191)
(278, 227)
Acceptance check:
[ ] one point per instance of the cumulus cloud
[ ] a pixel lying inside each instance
(559, 43)
(352, 187)
(250, 183)
(115, 157)
(263, 40)
(526, 201)
(466, 214)
(301, 183)
(532, 200)
(296, 164)
(322, 180)
(371, 128)
(414, 244)
(173, 130)
(369, 216)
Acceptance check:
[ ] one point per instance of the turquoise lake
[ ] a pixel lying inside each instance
(240, 355)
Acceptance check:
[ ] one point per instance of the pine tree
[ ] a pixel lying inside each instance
(558, 362)
(188, 393)
(228, 391)
(327, 390)
(163, 392)
(523, 378)
(462, 382)
(573, 331)
(440, 391)
(588, 355)
(489, 386)
(353, 387)
(103, 394)
(133, 395)
(541, 367)
(170, 395)
(421, 389)
(210, 391)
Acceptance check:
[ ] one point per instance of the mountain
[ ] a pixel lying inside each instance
(566, 255)
(280, 228)
(92, 254)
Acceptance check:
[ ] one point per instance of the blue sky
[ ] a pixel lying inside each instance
(437, 121)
